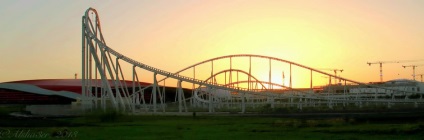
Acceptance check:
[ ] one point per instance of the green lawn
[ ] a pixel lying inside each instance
(116, 126)
(228, 127)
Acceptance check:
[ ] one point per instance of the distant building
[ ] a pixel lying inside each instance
(395, 87)
(44, 91)
(392, 87)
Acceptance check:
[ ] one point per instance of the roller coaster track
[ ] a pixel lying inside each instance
(89, 34)
(96, 52)
(235, 70)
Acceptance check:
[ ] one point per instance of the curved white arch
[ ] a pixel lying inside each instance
(234, 70)
(262, 82)
(88, 28)
(265, 57)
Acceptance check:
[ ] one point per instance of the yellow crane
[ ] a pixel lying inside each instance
(381, 66)
(413, 69)
(383, 62)
(335, 73)
(421, 75)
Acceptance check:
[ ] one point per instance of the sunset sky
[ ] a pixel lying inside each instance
(41, 39)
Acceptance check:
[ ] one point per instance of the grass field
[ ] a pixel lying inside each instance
(112, 125)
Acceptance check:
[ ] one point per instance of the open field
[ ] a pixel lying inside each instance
(100, 125)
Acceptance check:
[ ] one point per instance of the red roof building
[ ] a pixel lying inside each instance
(44, 91)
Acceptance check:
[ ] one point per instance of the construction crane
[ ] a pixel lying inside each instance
(413, 69)
(383, 62)
(381, 66)
(335, 73)
(421, 75)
